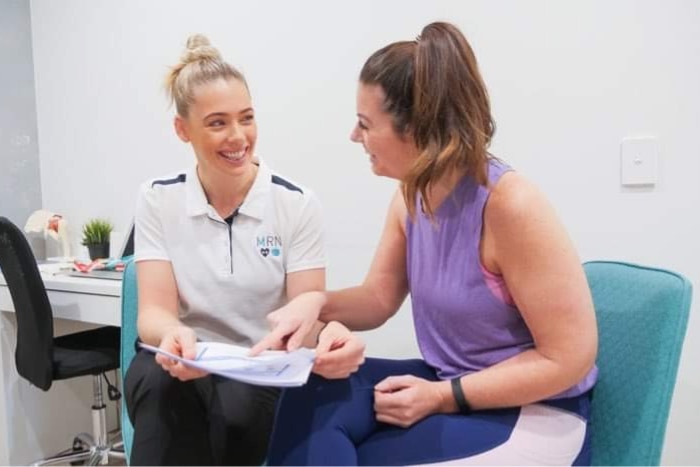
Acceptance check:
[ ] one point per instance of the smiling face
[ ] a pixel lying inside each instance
(391, 154)
(220, 125)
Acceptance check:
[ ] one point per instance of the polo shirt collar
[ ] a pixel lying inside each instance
(253, 204)
(256, 199)
(197, 204)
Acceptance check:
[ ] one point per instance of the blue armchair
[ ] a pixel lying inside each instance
(129, 334)
(642, 316)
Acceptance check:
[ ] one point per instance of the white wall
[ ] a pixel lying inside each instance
(568, 81)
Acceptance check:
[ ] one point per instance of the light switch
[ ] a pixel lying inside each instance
(638, 161)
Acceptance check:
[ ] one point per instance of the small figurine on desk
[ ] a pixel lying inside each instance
(51, 226)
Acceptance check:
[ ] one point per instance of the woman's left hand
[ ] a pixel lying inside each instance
(405, 400)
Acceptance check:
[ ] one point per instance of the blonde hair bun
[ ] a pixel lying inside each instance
(199, 48)
(199, 64)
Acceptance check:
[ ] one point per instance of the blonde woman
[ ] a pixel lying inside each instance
(218, 247)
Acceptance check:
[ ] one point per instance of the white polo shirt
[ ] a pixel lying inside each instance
(229, 277)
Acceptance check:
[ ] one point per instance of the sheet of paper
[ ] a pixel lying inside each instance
(270, 368)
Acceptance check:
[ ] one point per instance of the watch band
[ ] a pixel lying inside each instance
(458, 394)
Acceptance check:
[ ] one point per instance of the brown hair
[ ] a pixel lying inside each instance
(200, 63)
(434, 90)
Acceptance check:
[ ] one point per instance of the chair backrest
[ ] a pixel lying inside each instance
(642, 315)
(34, 350)
(130, 299)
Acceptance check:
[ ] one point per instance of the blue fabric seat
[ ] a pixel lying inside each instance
(129, 334)
(642, 315)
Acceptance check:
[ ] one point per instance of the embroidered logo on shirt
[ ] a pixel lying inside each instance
(269, 245)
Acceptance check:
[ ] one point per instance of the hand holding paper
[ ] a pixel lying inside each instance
(180, 341)
(270, 368)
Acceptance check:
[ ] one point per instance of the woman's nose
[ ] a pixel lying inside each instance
(236, 133)
(355, 135)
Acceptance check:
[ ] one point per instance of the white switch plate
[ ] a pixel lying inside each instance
(638, 161)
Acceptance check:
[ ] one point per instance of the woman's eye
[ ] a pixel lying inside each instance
(248, 118)
(361, 125)
(217, 123)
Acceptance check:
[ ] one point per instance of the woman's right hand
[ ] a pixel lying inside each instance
(339, 352)
(291, 323)
(182, 341)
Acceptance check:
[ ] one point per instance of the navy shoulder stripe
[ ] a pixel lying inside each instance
(280, 181)
(171, 181)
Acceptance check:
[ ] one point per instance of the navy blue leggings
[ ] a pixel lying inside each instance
(332, 422)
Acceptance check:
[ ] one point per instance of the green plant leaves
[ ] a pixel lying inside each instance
(96, 231)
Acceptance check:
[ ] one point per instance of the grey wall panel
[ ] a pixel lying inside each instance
(20, 180)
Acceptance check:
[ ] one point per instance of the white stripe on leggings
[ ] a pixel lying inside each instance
(542, 435)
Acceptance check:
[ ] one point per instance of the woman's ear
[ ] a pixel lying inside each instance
(181, 129)
(407, 134)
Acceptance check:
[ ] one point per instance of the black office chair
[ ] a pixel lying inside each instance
(42, 358)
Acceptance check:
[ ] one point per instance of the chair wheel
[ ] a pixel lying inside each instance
(79, 444)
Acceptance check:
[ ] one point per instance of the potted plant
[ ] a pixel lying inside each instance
(96, 238)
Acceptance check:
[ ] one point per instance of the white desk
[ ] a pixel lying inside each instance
(34, 423)
(87, 300)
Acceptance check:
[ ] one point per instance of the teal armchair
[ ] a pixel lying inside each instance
(642, 315)
(128, 338)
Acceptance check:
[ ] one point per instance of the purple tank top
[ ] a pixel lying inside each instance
(461, 323)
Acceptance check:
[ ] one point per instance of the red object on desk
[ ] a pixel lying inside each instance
(86, 267)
